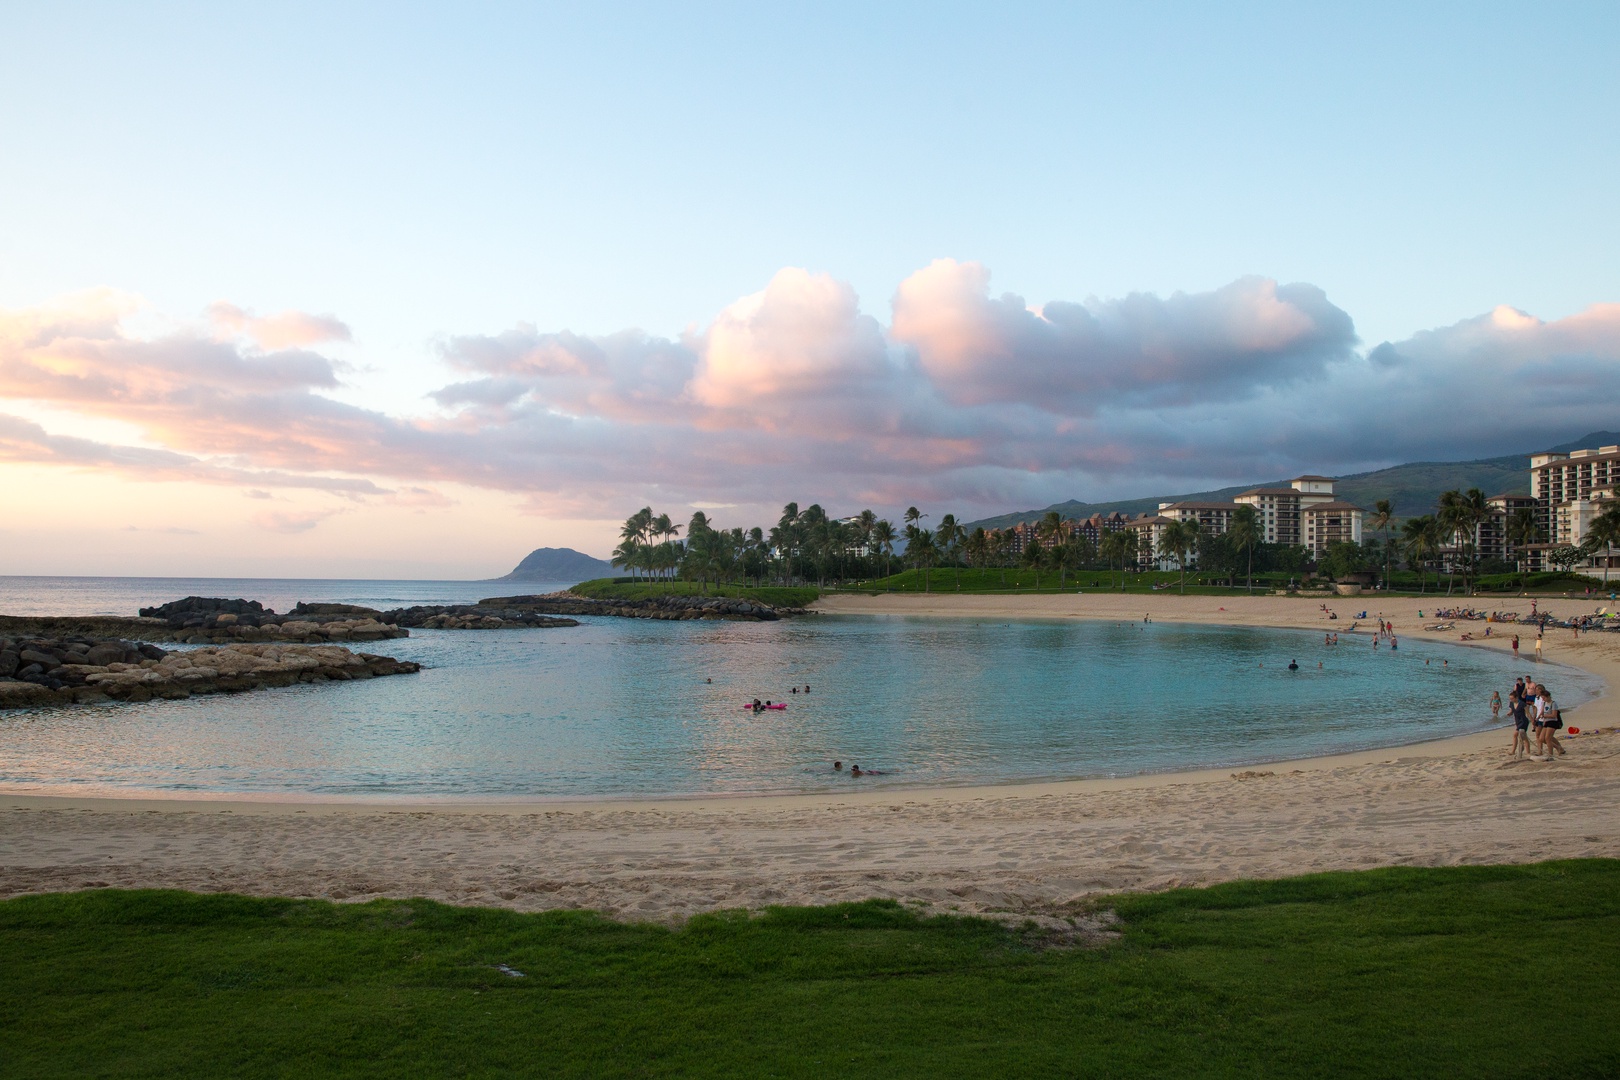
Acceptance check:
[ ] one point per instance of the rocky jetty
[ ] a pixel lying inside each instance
(678, 608)
(202, 620)
(485, 615)
(61, 671)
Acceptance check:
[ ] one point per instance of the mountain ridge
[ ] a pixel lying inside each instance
(1413, 488)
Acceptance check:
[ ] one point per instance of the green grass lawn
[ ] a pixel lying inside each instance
(774, 595)
(1459, 972)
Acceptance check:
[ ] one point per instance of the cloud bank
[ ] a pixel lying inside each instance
(964, 397)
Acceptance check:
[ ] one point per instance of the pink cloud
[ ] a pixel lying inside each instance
(794, 391)
(286, 330)
(1143, 349)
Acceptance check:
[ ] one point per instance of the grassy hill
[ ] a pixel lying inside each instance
(1414, 488)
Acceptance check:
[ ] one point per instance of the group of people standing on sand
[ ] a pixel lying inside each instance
(1534, 712)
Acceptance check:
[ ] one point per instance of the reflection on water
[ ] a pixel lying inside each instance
(631, 707)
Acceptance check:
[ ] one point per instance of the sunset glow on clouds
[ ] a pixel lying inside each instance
(964, 399)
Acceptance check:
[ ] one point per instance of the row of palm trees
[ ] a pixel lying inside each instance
(805, 544)
(1454, 528)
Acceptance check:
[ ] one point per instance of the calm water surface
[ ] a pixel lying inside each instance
(624, 707)
(126, 596)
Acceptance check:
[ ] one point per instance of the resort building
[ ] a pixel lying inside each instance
(1280, 512)
(1212, 517)
(1329, 523)
(1494, 537)
(1305, 514)
(1570, 490)
(1093, 529)
(1149, 529)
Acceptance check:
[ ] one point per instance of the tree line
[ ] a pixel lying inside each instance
(806, 545)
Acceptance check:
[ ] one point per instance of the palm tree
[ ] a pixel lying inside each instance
(1522, 530)
(1476, 511)
(633, 535)
(883, 537)
(1420, 539)
(1000, 546)
(1051, 529)
(1113, 549)
(950, 534)
(978, 548)
(921, 550)
(1383, 514)
(1244, 532)
(1459, 518)
(784, 538)
(1033, 555)
(1178, 539)
(1604, 532)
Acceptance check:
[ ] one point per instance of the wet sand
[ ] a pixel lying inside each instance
(1035, 848)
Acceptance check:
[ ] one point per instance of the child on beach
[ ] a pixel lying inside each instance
(1496, 704)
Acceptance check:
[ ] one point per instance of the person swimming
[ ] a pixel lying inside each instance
(756, 706)
(1293, 665)
(838, 766)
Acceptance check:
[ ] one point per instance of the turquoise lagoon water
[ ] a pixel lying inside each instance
(620, 707)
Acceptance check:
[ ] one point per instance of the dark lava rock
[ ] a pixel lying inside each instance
(332, 611)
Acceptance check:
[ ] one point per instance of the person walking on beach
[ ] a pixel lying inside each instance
(1515, 646)
(1551, 723)
(1538, 643)
(1521, 725)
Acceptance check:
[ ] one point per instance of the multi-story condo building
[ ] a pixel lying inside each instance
(1150, 554)
(1493, 537)
(1570, 490)
(1092, 529)
(1280, 511)
(1212, 517)
(1097, 526)
(1329, 523)
(1306, 514)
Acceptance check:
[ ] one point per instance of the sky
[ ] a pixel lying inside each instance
(409, 290)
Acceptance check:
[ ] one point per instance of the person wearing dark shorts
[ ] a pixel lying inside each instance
(1551, 724)
(1521, 724)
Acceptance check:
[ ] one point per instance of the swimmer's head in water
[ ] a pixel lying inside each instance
(839, 765)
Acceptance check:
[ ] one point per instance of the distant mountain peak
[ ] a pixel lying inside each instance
(558, 564)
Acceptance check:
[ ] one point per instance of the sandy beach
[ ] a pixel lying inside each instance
(1037, 849)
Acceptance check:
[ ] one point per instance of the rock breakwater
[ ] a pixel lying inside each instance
(677, 608)
(43, 671)
(485, 615)
(203, 620)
